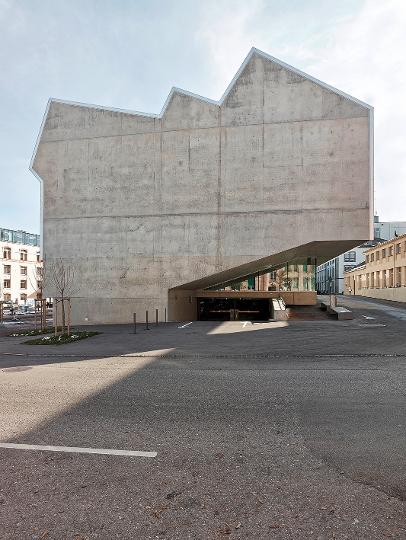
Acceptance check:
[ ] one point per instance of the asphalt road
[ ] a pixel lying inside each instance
(286, 431)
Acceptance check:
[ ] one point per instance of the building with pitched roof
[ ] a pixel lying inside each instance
(161, 211)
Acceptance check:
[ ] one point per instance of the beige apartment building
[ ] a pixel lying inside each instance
(384, 273)
(20, 266)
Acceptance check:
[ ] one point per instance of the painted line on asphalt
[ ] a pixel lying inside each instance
(187, 324)
(369, 318)
(78, 450)
(245, 324)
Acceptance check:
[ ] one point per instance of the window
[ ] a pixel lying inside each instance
(306, 283)
(372, 257)
(383, 253)
(398, 277)
(23, 297)
(348, 267)
(7, 297)
(295, 283)
(6, 253)
(366, 259)
(7, 283)
(350, 256)
(23, 270)
(397, 248)
(23, 255)
(38, 257)
(390, 251)
(7, 269)
(377, 255)
(23, 284)
(383, 279)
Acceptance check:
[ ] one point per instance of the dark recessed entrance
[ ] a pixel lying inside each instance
(233, 309)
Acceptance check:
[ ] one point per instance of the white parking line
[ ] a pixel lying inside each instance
(245, 324)
(187, 324)
(78, 450)
(369, 318)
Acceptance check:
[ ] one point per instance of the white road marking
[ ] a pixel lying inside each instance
(245, 324)
(187, 324)
(371, 325)
(78, 450)
(369, 318)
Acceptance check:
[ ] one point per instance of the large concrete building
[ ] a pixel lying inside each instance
(157, 210)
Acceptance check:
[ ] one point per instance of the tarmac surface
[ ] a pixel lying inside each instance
(285, 430)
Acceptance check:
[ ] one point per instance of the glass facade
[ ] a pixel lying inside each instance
(19, 237)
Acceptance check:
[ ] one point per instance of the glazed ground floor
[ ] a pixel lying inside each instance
(209, 305)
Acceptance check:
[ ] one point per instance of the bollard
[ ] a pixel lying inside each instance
(156, 317)
(135, 322)
(146, 320)
(165, 314)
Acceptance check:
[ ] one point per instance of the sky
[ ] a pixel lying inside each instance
(129, 53)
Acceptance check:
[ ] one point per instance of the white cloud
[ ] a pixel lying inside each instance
(360, 51)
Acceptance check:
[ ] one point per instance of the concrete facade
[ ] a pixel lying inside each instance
(279, 169)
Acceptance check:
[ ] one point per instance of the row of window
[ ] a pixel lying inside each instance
(23, 283)
(381, 279)
(7, 297)
(23, 254)
(23, 270)
(384, 252)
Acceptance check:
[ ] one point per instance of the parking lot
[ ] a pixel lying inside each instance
(290, 429)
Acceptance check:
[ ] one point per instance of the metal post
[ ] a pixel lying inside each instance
(135, 322)
(165, 314)
(156, 317)
(146, 320)
(68, 316)
(56, 316)
(44, 313)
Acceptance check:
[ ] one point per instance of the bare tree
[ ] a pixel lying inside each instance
(62, 277)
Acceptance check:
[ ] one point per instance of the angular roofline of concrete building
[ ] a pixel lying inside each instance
(176, 90)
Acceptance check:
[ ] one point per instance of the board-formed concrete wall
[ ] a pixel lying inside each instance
(139, 203)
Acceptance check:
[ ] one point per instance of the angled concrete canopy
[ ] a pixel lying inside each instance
(207, 191)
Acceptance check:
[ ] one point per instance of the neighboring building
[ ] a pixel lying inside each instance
(21, 267)
(388, 229)
(157, 210)
(330, 275)
(383, 275)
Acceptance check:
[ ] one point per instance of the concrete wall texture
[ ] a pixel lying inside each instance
(140, 204)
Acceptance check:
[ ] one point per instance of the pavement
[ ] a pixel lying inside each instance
(285, 430)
